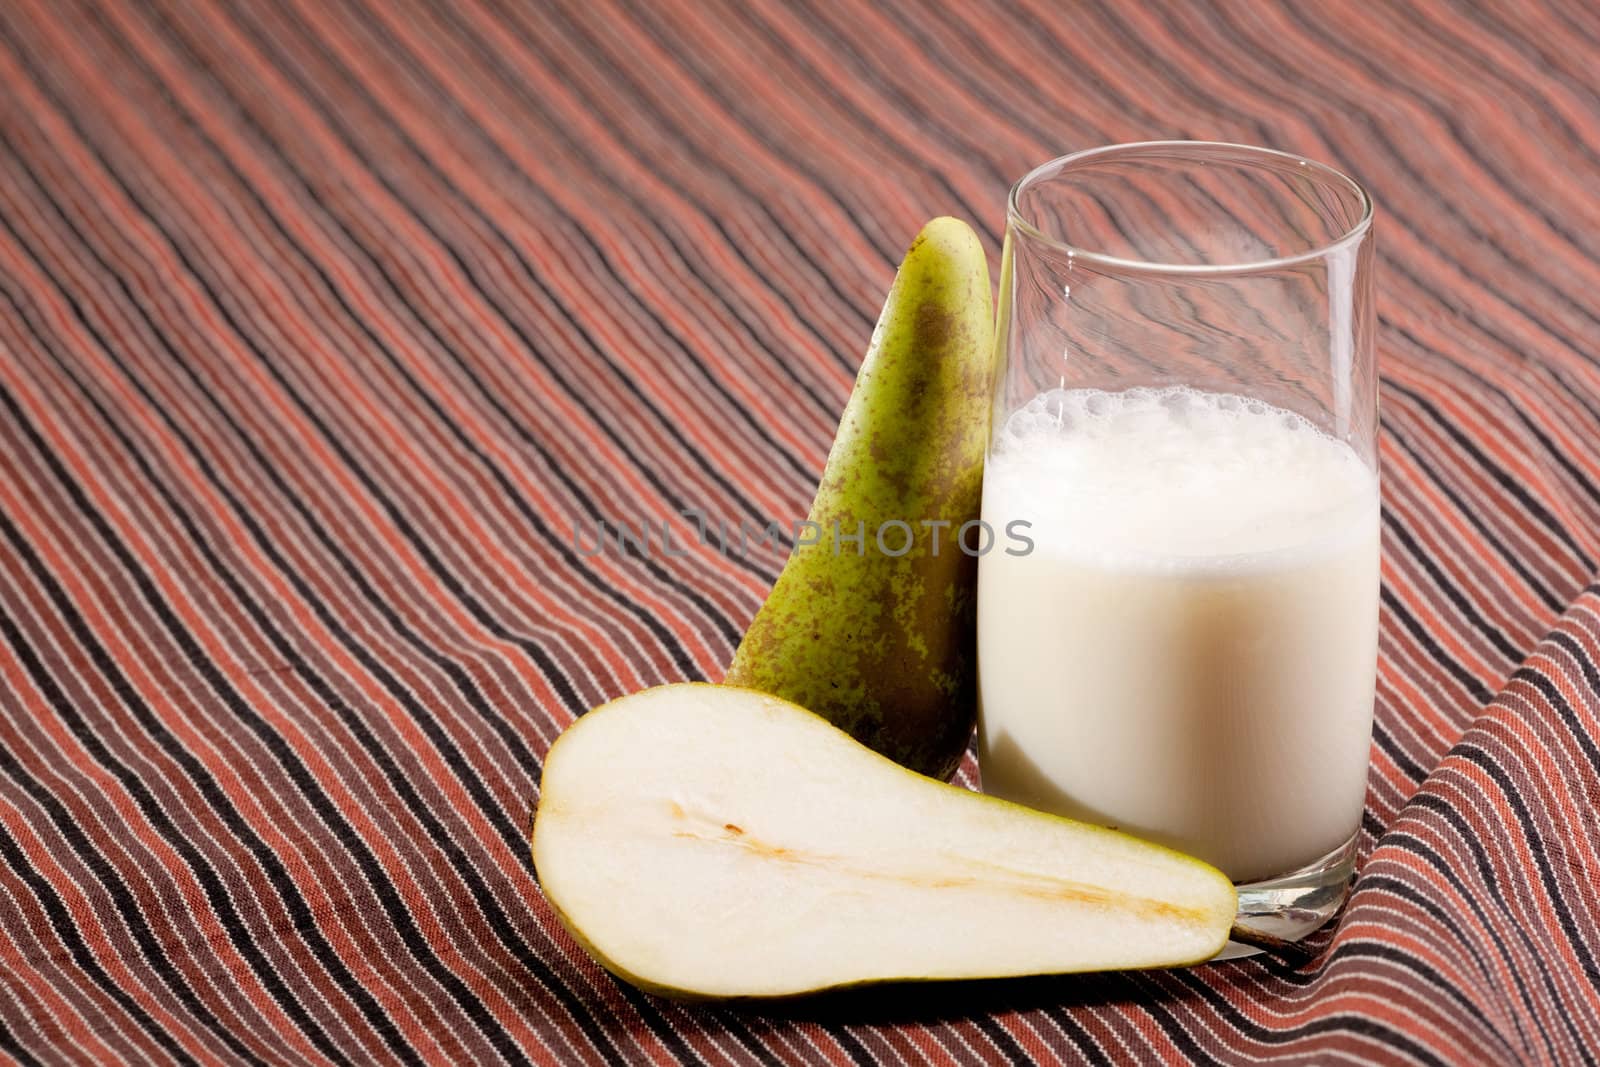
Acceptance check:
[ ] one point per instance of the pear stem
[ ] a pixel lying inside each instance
(1288, 951)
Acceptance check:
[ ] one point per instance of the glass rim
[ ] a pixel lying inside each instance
(1321, 171)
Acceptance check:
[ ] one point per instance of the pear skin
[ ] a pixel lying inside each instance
(881, 642)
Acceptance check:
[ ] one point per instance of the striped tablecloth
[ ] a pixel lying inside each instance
(324, 322)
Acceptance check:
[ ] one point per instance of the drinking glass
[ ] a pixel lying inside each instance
(1179, 636)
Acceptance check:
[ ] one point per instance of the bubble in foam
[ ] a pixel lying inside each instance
(1100, 404)
(1058, 412)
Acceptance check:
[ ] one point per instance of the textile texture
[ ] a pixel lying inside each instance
(324, 323)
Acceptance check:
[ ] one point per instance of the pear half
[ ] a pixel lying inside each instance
(708, 841)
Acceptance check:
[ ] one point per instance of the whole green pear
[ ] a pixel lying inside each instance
(878, 635)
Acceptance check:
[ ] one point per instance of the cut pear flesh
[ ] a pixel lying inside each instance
(717, 842)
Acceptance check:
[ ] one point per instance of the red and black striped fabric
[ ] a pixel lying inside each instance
(324, 323)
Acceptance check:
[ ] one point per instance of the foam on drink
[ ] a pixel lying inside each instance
(1176, 478)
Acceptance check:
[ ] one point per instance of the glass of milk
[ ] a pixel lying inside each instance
(1179, 636)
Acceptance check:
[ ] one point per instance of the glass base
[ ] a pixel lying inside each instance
(1281, 911)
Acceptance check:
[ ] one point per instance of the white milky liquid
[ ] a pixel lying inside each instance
(1188, 653)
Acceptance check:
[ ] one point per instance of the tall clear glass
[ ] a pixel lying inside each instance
(1179, 635)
